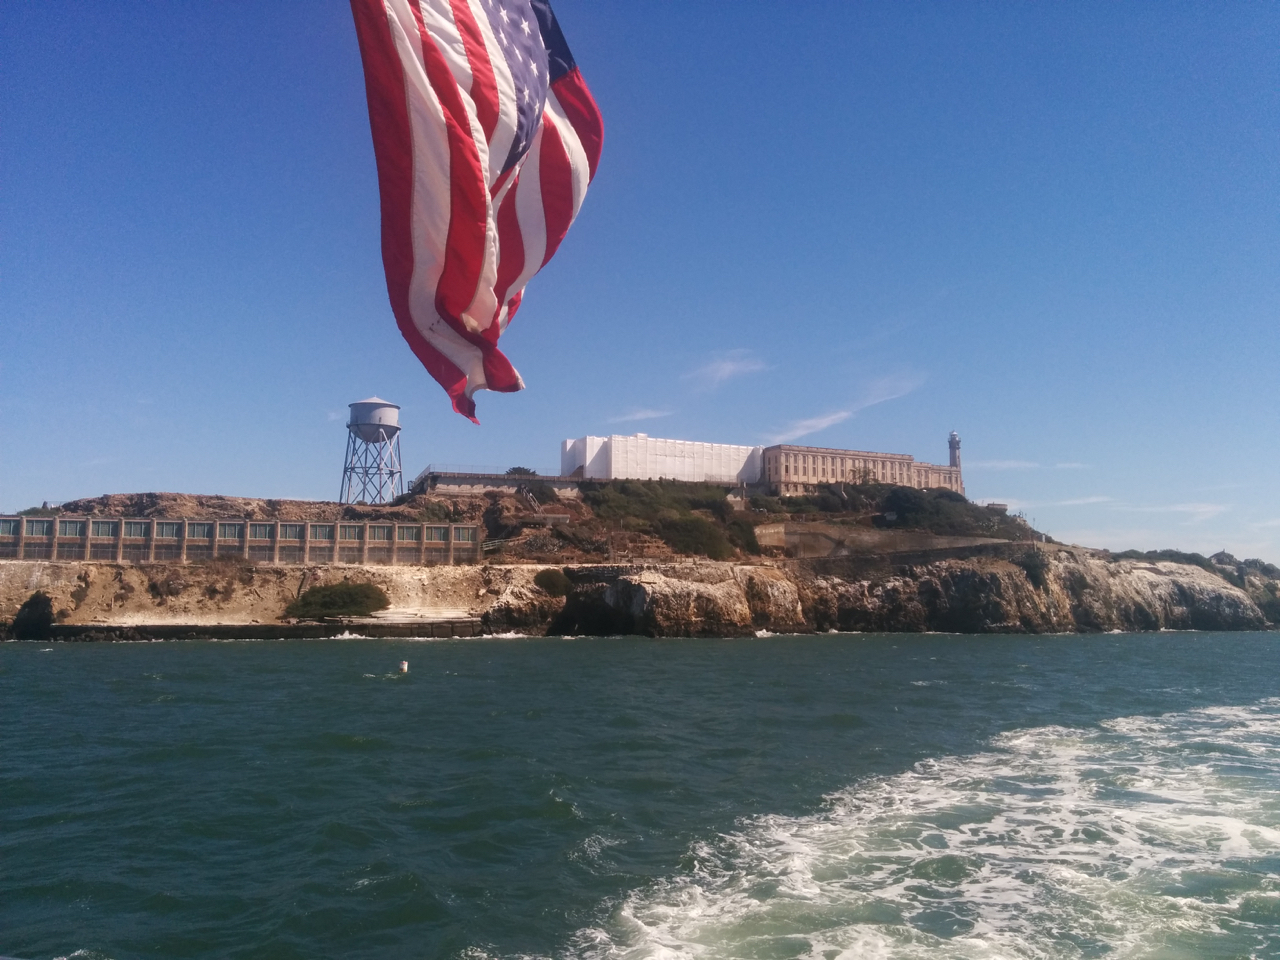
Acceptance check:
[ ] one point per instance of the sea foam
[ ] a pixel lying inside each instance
(1142, 837)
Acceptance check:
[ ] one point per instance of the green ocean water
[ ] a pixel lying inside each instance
(830, 797)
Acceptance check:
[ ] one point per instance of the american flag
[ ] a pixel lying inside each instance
(486, 137)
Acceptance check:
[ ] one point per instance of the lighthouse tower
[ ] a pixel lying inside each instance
(953, 444)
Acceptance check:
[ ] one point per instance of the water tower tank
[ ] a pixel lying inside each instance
(373, 419)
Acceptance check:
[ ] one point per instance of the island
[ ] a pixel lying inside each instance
(648, 557)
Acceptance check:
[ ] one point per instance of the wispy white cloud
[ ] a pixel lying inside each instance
(1195, 512)
(735, 363)
(643, 414)
(1004, 464)
(1266, 523)
(880, 390)
(888, 388)
(802, 428)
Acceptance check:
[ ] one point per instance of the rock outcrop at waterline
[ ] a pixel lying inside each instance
(1074, 593)
(1059, 591)
(681, 600)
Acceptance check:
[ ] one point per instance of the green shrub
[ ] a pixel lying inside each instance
(691, 518)
(648, 499)
(838, 498)
(650, 506)
(35, 618)
(553, 582)
(695, 535)
(339, 600)
(800, 505)
(543, 492)
(829, 503)
(945, 513)
(742, 534)
(1264, 568)
(433, 511)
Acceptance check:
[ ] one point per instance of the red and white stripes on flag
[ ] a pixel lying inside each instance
(486, 138)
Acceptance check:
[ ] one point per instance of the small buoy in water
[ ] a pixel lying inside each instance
(404, 666)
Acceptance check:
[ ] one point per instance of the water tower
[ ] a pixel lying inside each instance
(371, 473)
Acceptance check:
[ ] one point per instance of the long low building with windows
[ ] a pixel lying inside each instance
(124, 540)
(791, 470)
(784, 469)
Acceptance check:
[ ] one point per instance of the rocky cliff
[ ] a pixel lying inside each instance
(1060, 591)
(1064, 592)
(1068, 593)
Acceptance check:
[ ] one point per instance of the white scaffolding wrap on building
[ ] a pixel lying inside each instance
(642, 457)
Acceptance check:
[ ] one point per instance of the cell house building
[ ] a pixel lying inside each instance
(791, 470)
(783, 469)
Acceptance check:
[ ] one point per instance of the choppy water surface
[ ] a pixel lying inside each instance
(818, 797)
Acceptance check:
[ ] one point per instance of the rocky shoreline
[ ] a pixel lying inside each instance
(1056, 591)
(1076, 594)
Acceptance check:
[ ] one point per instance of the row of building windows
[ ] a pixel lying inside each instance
(842, 471)
(173, 530)
(801, 468)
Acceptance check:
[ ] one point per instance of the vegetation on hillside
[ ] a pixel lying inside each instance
(691, 518)
(695, 518)
(937, 511)
(1261, 566)
(947, 513)
(433, 511)
(1269, 602)
(338, 600)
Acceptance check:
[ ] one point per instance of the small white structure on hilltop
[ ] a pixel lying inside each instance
(642, 457)
(371, 471)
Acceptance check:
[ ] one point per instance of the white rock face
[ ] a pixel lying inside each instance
(1077, 593)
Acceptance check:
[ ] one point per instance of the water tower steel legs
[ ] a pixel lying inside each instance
(372, 470)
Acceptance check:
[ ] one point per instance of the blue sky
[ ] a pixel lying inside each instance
(1052, 228)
